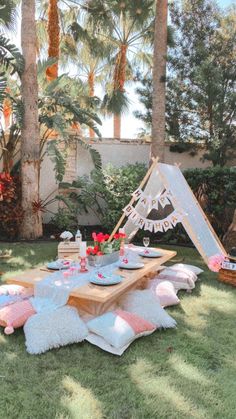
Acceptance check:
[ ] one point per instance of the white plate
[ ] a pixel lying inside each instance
(150, 254)
(106, 280)
(131, 265)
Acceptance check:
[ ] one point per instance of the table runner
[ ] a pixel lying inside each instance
(54, 290)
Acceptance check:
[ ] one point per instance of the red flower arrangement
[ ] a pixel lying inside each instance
(102, 246)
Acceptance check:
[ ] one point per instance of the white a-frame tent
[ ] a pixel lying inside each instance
(165, 184)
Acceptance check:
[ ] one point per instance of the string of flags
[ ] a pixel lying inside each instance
(147, 201)
(152, 225)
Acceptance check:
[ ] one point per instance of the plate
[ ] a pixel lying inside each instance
(57, 265)
(150, 254)
(106, 279)
(131, 265)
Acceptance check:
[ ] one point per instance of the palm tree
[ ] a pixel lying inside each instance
(31, 227)
(159, 80)
(124, 24)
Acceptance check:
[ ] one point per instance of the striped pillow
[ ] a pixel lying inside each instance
(120, 328)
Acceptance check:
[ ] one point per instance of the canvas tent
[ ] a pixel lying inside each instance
(166, 183)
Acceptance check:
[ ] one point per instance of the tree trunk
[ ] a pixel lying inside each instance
(119, 83)
(53, 30)
(159, 80)
(31, 227)
(91, 94)
(117, 126)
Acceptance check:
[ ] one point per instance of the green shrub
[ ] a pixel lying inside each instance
(106, 192)
(11, 212)
(215, 189)
(64, 219)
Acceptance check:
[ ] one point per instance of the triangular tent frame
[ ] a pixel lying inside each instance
(159, 177)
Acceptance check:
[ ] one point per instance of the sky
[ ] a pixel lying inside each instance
(129, 125)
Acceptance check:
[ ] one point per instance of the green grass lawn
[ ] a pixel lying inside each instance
(189, 372)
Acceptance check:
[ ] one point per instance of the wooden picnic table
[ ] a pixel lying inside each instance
(97, 299)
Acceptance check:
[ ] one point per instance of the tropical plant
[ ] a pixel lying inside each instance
(124, 24)
(11, 61)
(11, 213)
(8, 14)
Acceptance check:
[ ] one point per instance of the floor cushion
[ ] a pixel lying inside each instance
(48, 330)
(192, 268)
(120, 328)
(101, 343)
(180, 279)
(15, 315)
(146, 305)
(165, 292)
(10, 294)
(16, 290)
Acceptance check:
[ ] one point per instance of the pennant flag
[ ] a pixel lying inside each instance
(137, 194)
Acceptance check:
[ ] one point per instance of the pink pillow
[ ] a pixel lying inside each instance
(15, 315)
(165, 292)
(180, 279)
(12, 289)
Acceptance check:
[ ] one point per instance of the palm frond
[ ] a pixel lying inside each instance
(95, 155)
(58, 158)
(116, 102)
(8, 14)
(10, 56)
(3, 85)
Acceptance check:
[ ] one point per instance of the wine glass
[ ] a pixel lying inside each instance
(97, 263)
(146, 241)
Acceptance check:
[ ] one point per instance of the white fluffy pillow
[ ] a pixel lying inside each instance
(53, 329)
(145, 304)
(182, 266)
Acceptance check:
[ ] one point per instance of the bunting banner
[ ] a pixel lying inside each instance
(147, 201)
(152, 225)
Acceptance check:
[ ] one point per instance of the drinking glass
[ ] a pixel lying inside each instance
(97, 262)
(146, 241)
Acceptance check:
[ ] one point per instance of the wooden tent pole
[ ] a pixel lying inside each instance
(133, 199)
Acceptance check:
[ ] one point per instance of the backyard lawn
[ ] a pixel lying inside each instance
(184, 373)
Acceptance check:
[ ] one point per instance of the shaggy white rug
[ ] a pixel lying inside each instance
(53, 329)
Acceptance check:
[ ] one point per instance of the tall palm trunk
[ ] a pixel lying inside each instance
(159, 80)
(53, 30)
(91, 94)
(31, 227)
(119, 84)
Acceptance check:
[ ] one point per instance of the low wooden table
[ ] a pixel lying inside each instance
(96, 299)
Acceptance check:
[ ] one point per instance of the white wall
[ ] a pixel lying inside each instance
(117, 153)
